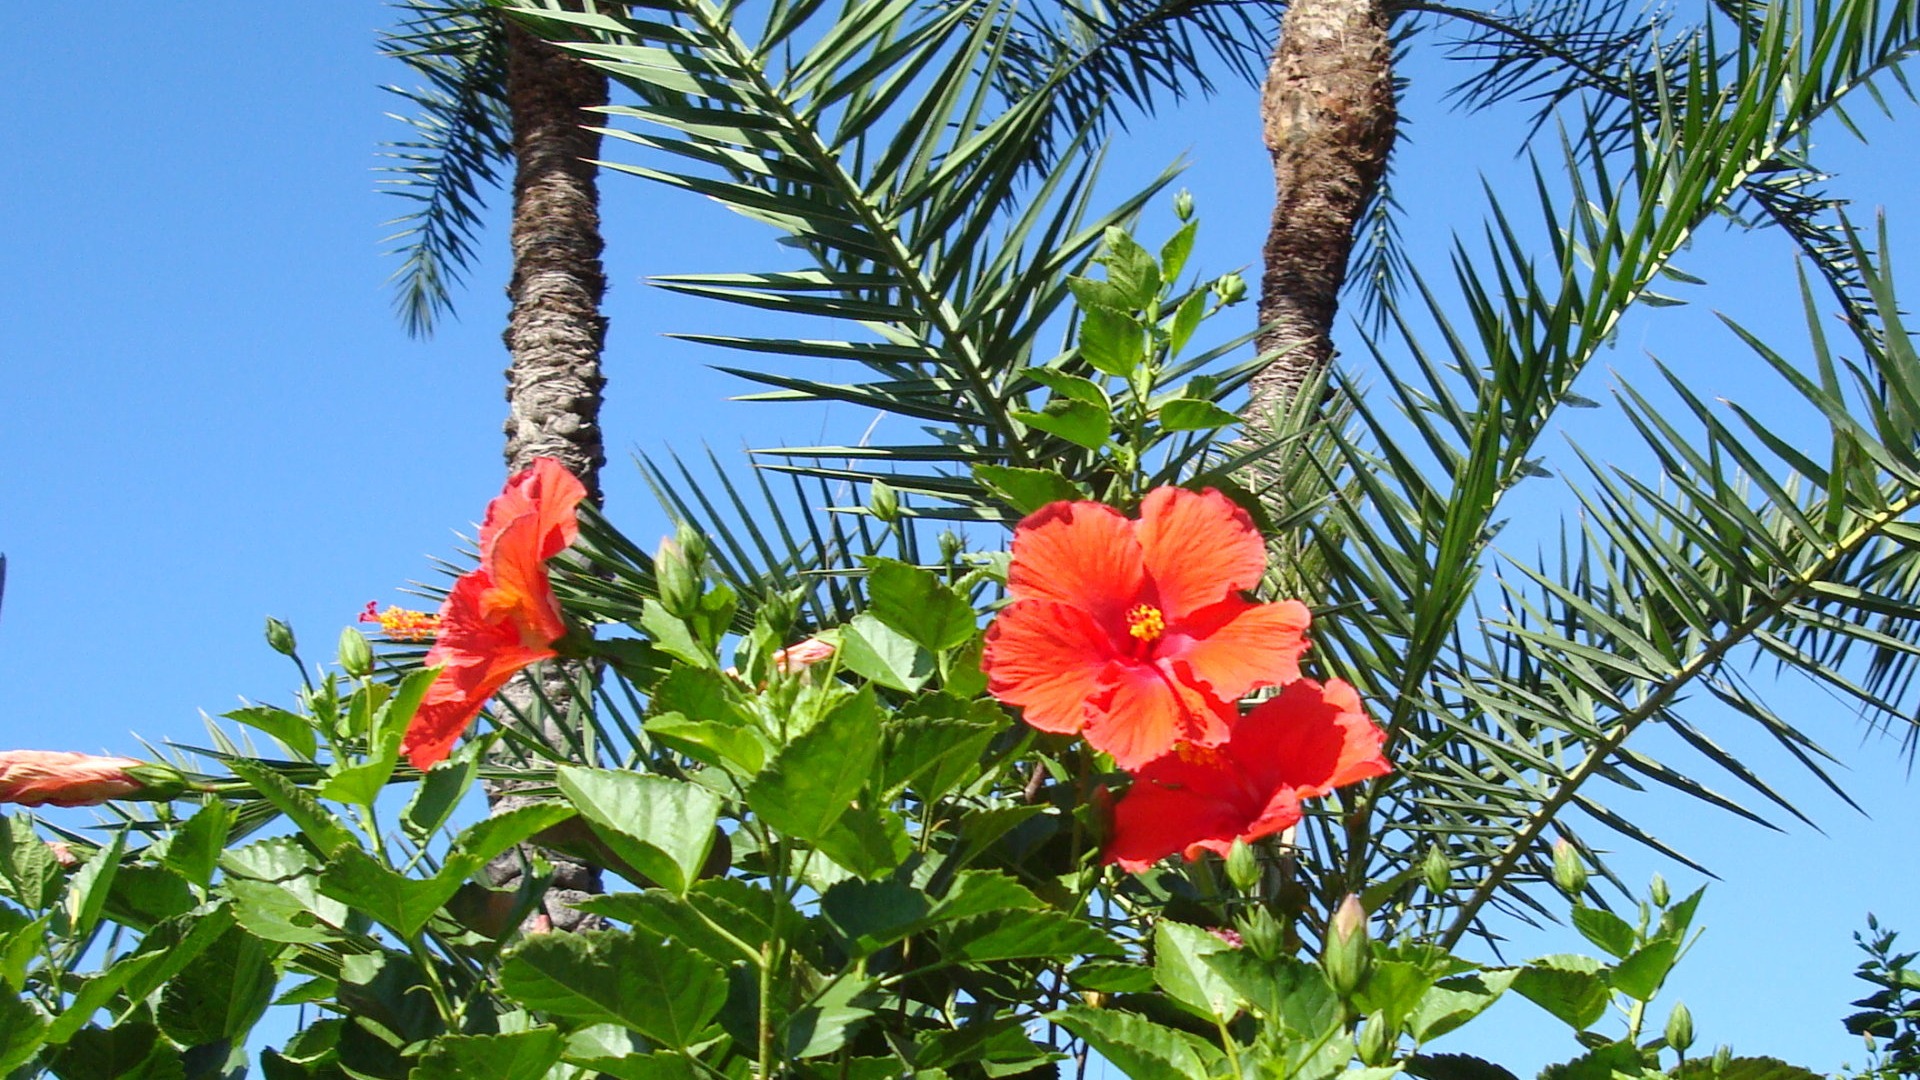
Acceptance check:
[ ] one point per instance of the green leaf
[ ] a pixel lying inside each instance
(439, 795)
(401, 903)
(1130, 268)
(712, 742)
(1070, 386)
(1743, 1068)
(818, 775)
(1112, 977)
(316, 821)
(276, 890)
(1452, 1002)
(823, 1027)
(521, 1055)
(664, 827)
(1609, 1062)
(1186, 319)
(89, 887)
(1394, 989)
(359, 785)
(916, 603)
(1173, 253)
(870, 841)
(1455, 1067)
(1023, 935)
(1027, 490)
(496, 834)
(21, 1031)
(1180, 966)
(291, 730)
(1639, 976)
(128, 1051)
(1290, 993)
(1112, 341)
(144, 895)
(870, 915)
(1572, 988)
(937, 743)
(1192, 414)
(194, 848)
(671, 636)
(1079, 422)
(659, 988)
(28, 871)
(1138, 1047)
(871, 648)
(1604, 929)
(221, 993)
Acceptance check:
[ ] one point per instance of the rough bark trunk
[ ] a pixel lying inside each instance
(554, 335)
(1329, 116)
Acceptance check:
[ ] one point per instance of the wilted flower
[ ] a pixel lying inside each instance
(802, 656)
(1134, 633)
(63, 854)
(502, 616)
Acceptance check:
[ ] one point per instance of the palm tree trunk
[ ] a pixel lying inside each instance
(554, 335)
(1329, 115)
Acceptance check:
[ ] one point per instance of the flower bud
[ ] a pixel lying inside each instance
(1722, 1057)
(1658, 891)
(1437, 869)
(1230, 288)
(59, 778)
(1348, 954)
(1262, 934)
(1375, 1041)
(280, 636)
(1243, 867)
(883, 501)
(1680, 1028)
(951, 545)
(356, 656)
(1569, 872)
(674, 575)
(1183, 205)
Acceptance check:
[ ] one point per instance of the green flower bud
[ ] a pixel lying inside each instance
(1183, 205)
(1569, 871)
(1243, 868)
(1348, 952)
(694, 543)
(1375, 1041)
(1437, 868)
(1230, 288)
(1680, 1028)
(1722, 1057)
(280, 636)
(159, 782)
(356, 656)
(1658, 890)
(951, 545)
(883, 501)
(1262, 935)
(673, 573)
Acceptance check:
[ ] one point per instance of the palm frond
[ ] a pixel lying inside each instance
(462, 136)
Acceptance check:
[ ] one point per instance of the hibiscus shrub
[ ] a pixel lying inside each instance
(1006, 811)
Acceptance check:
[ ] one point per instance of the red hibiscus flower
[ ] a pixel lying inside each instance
(502, 616)
(1134, 632)
(1303, 743)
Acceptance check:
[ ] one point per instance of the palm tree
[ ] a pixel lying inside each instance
(498, 94)
(876, 140)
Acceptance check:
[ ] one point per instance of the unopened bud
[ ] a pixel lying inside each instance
(1722, 1057)
(1348, 954)
(1262, 935)
(1680, 1028)
(673, 575)
(1658, 890)
(1230, 288)
(280, 636)
(1569, 871)
(1437, 869)
(1375, 1041)
(1183, 205)
(883, 501)
(356, 656)
(1243, 868)
(951, 546)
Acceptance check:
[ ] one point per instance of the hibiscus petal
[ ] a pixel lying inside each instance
(1174, 805)
(1310, 739)
(521, 593)
(1078, 553)
(1234, 646)
(1047, 658)
(544, 491)
(1199, 548)
(1146, 709)
(459, 692)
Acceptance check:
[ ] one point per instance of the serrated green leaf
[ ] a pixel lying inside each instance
(1027, 490)
(661, 989)
(1180, 953)
(1640, 975)
(22, 1030)
(1079, 422)
(1604, 929)
(520, 1055)
(1192, 414)
(316, 821)
(1186, 319)
(664, 827)
(918, 604)
(871, 648)
(1112, 341)
(194, 848)
(497, 833)
(401, 903)
(220, 995)
(1173, 253)
(816, 777)
(1022, 935)
(1138, 1047)
(291, 730)
(1572, 988)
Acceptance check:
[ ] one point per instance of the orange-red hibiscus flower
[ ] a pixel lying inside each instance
(1303, 743)
(502, 616)
(1134, 632)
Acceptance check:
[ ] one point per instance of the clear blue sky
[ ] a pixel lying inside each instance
(211, 415)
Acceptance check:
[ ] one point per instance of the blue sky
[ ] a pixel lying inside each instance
(211, 415)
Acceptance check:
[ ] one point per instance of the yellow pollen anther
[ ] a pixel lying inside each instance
(400, 624)
(1146, 623)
